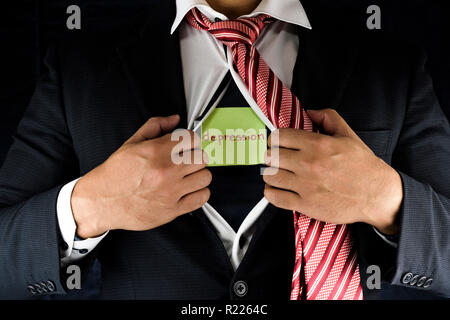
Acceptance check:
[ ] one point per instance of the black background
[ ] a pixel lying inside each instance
(28, 27)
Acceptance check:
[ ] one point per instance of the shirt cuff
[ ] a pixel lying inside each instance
(391, 240)
(71, 250)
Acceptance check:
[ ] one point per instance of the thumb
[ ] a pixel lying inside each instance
(331, 122)
(154, 128)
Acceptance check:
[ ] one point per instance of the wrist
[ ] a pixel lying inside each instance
(86, 212)
(384, 216)
(387, 224)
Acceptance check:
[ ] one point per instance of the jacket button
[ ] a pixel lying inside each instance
(31, 289)
(38, 288)
(44, 286)
(421, 281)
(414, 280)
(407, 278)
(428, 283)
(240, 288)
(50, 286)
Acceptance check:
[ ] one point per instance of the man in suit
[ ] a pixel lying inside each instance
(105, 113)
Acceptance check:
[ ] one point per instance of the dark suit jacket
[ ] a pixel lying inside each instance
(96, 95)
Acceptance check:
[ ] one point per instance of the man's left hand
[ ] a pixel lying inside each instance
(332, 177)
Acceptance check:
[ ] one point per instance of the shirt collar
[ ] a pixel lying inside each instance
(290, 11)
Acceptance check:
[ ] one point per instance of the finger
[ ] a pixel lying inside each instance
(193, 201)
(282, 158)
(191, 161)
(196, 181)
(331, 122)
(280, 178)
(183, 140)
(173, 152)
(154, 128)
(282, 198)
(291, 138)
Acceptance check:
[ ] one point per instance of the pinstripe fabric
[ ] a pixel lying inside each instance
(325, 264)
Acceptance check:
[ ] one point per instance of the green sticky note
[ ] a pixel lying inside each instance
(234, 136)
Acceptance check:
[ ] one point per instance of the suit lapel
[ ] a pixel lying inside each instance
(152, 65)
(323, 68)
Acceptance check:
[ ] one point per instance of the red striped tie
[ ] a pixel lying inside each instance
(325, 261)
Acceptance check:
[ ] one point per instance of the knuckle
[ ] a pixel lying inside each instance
(159, 177)
(169, 197)
(323, 142)
(330, 111)
(315, 165)
(156, 119)
(151, 149)
(152, 120)
(283, 133)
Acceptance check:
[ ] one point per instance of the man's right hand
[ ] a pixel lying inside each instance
(139, 187)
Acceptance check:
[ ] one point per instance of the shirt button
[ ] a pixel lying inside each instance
(407, 278)
(240, 288)
(421, 281)
(428, 283)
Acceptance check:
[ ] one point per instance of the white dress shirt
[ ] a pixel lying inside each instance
(205, 65)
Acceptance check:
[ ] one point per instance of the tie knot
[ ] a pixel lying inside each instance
(230, 32)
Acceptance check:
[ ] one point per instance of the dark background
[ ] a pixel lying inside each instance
(28, 27)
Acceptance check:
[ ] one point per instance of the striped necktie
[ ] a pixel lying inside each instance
(325, 259)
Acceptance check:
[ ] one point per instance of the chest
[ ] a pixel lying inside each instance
(110, 106)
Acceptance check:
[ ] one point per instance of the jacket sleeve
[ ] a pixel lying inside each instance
(422, 158)
(39, 162)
